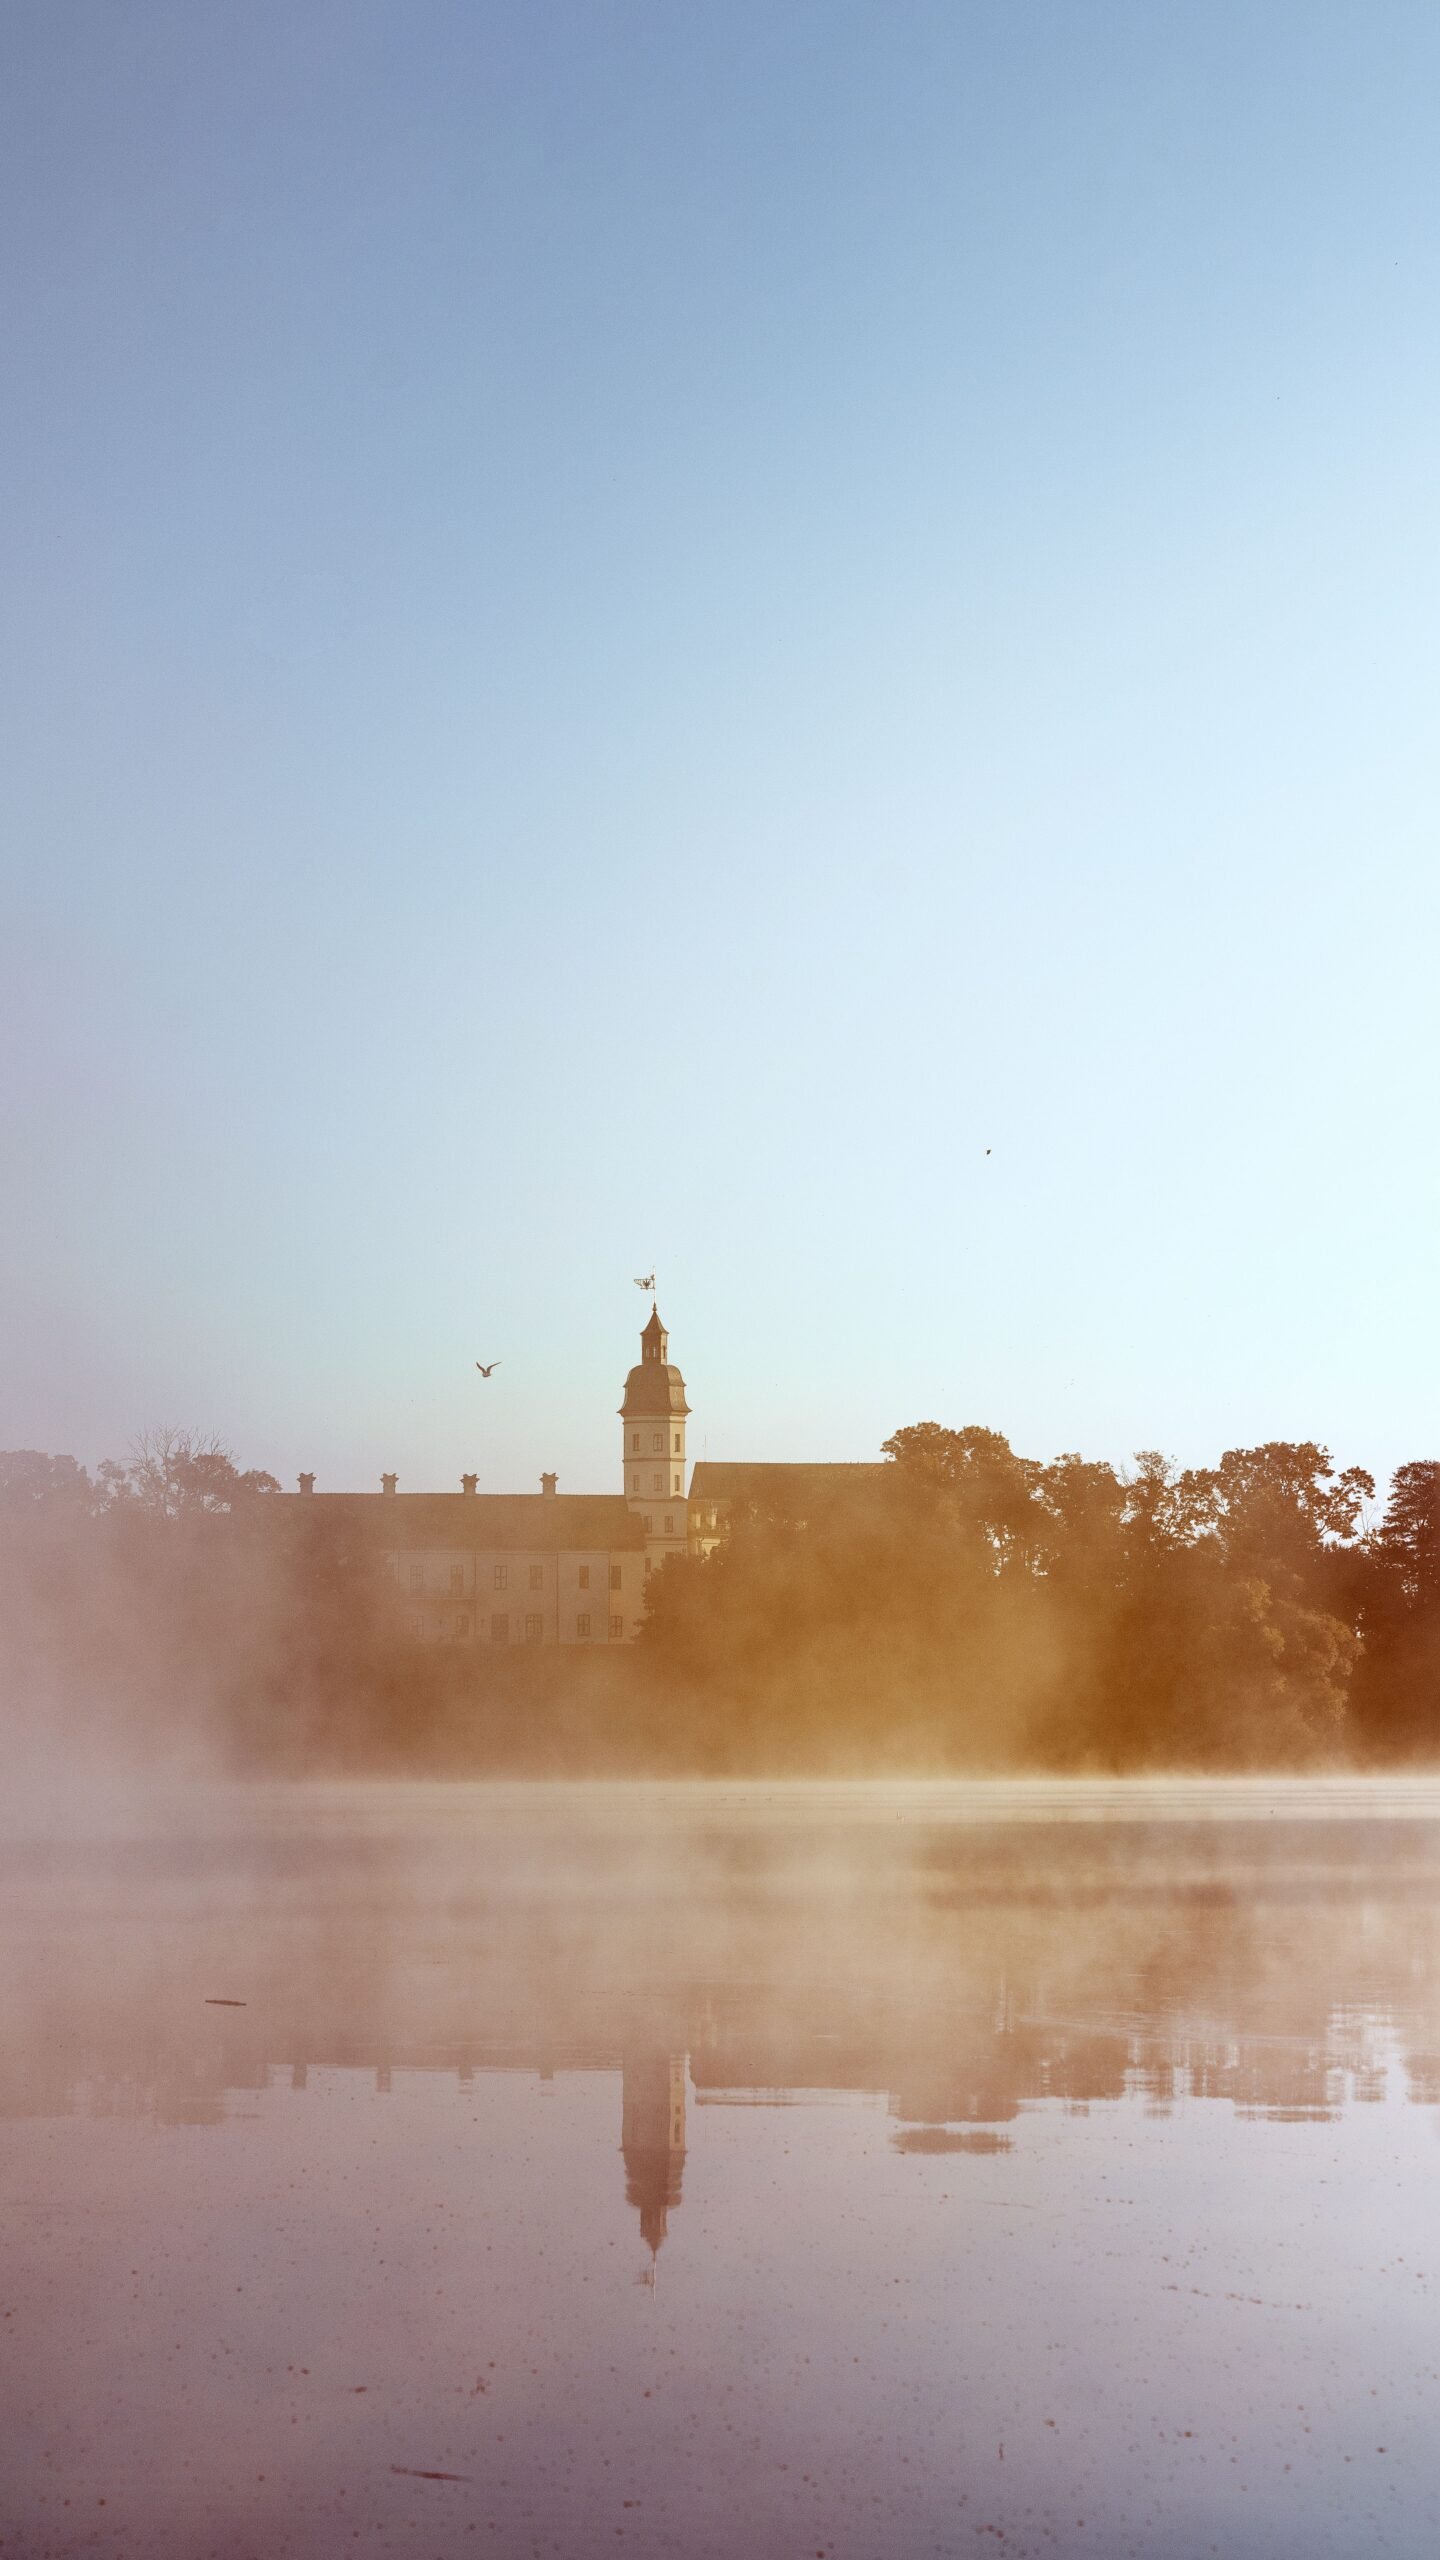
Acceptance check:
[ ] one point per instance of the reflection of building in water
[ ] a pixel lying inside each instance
(749, 2046)
(652, 2137)
(1092, 1977)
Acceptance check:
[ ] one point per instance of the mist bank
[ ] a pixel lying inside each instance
(961, 1609)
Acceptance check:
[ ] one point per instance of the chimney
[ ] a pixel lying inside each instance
(387, 1484)
(547, 1484)
(307, 1484)
(468, 1483)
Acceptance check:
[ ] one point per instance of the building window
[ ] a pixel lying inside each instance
(677, 1484)
(500, 1627)
(582, 1624)
(649, 1526)
(617, 1629)
(457, 1577)
(534, 1627)
(614, 1577)
(462, 1626)
(537, 1577)
(584, 1577)
(417, 1577)
(657, 1441)
(669, 1524)
(634, 1484)
(677, 1444)
(501, 1577)
(659, 1485)
(635, 1442)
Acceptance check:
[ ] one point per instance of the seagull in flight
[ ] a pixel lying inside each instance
(647, 1283)
(484, 1372)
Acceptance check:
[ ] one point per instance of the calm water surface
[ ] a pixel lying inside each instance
(846, 2171)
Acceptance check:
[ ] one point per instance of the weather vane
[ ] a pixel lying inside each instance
(647, 1283)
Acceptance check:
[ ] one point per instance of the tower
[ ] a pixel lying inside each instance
(652, 2137)
(652, 1444)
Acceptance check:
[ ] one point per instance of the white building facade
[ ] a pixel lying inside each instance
(500, 1569)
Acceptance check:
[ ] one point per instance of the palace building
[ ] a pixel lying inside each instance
(535, 1568)
(553, 1568)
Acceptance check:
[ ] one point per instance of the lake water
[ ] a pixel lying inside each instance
(857, 2171)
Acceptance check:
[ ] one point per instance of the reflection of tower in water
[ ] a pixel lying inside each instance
(652, 2137)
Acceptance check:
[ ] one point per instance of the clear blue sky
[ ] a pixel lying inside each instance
(633, 632)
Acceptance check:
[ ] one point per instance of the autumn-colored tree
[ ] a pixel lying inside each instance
(959, 1606)
(181, 1475)
(973, 1482)
(31, 1483)
(1397, 1702)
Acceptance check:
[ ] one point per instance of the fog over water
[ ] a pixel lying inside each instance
(856, 2170)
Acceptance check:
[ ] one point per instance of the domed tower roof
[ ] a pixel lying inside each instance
(656, 1386)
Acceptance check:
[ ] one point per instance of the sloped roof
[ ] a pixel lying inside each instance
(542, 1522)
(781, 1486)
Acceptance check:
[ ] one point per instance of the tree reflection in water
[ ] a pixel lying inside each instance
(1088, 2128)
(969, 1975)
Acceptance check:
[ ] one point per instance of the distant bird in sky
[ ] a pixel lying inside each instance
(647, 1283)
(484, 1372)
(987, 1151)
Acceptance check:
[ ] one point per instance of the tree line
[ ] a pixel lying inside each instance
(958, 1606)
(974, 1604)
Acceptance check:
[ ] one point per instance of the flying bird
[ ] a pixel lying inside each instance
(647, 1283)
(484, 1372)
